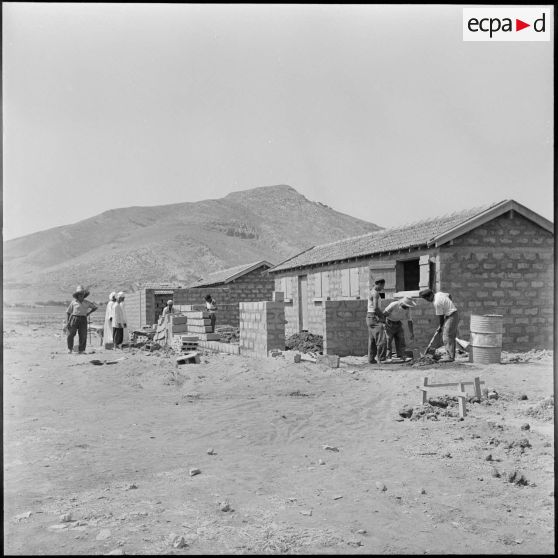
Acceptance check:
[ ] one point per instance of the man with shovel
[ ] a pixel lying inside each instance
(449, 318)
(396, 313)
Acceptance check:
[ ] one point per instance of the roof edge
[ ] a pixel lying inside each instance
(487, 215)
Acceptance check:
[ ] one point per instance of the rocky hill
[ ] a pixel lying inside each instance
(122, 249)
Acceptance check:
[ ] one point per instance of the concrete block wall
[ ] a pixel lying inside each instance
(251, 287)
(504, 267)
(133, 304)
(345, 331)
(262, 327)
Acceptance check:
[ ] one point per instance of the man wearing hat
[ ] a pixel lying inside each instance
(449, 318)
(375, 320)
(119, 321)
(76, 318)
(395, 313)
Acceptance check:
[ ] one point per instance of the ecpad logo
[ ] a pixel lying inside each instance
(507, 24)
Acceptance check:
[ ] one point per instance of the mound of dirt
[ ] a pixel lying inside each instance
(544, 410)
(305, 343)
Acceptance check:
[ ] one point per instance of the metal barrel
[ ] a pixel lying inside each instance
(486, 338)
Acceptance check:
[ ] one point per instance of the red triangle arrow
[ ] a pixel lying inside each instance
(519, 25)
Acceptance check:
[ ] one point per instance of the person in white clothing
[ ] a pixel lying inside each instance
(449, 318)
(109, 316)
(119, 321)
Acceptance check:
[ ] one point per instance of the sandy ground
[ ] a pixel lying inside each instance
(306, 459)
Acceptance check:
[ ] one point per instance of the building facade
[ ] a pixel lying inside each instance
(497, 259)
(229, 287)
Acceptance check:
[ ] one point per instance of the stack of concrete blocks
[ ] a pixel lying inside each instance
(199, 323)
(184, 343)
(262, 327)
(178, 324)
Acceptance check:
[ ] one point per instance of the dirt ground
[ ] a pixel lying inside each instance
(291, 457)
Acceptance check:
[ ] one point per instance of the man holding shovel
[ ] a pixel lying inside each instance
(449, 318)
(396, 313)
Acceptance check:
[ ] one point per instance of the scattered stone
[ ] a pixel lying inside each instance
(330, 448)
(523, 397)
(480, 479)
(103, 535)
(116, 552)
(399, 419)
(361, 532)
(211, 451)
(493, 394)
(406, 411)
(495, 473)
(59, 526)
(131, 486)
(381, 486)
(194, 472)
(422, 491)
(66, 517)
(225, 506)
(297, 357)
(337, 497)
(516, 477)
(21, 516)
(321, 462)
(354, 543)
(488, 457)
(447, 454)
(177, 541)
(305, 512)
(526, 426)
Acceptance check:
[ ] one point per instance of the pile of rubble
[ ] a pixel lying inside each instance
(229, 334)
(529, 356)
(305, 343)
(544, 410)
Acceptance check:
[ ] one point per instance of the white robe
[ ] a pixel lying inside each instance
(109, 316)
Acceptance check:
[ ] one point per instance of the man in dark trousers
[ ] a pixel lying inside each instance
(449, 318)
(375, 321)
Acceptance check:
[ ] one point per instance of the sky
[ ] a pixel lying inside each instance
(381, 112)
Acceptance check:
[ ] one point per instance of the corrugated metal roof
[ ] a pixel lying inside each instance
(411, 235)
(226, 275)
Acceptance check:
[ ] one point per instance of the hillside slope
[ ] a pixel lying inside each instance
(123, 248)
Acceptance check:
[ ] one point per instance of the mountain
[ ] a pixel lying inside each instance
(122, 249)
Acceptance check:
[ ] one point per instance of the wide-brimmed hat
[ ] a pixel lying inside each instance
(121, 295)
(112, 295)
(425, 293)
(80, 290)
(170, 302)
(408, 301)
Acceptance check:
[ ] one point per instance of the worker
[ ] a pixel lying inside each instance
(375, 322)
(168, 309)
(446, 310)
(76, 318)
(211, 306)
(395, 313)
